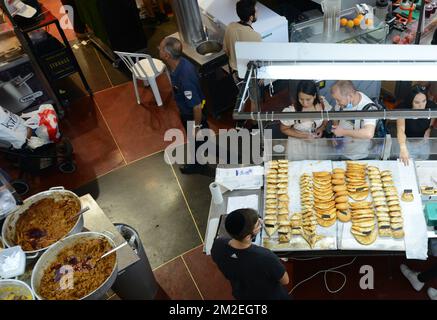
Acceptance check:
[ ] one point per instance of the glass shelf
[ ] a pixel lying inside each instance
(312, 31)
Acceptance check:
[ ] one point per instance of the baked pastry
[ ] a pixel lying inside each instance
(270, 228)
(427, 190)
(358, 196)
(338, 170)
(282, 204)
(407, 196)
(364, 237)
(271, 211)
(284, 238)
(341, 199)
(343, 213)
(384, 230)
(283, 211)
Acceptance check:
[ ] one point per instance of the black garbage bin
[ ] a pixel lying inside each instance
(137, 282)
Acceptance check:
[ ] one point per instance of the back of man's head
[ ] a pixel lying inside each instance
(173, 47)
(240, 223)
(246, 9)
(344, 87)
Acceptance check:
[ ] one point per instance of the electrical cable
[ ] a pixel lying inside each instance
(326, 271)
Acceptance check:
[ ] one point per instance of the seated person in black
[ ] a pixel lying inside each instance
(415, 128)
(255, 273)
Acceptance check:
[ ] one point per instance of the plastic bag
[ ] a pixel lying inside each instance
(12, 129)
(45, 123)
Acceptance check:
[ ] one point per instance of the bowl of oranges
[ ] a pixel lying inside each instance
(355, 21)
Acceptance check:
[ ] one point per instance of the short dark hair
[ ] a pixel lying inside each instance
(246, 9)
(240, 223)
(308, 87)
(173, 47)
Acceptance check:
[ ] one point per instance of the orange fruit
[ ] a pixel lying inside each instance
(369, 22)
(357, 22)
(360, 16)
(350, 23)
(343, 22)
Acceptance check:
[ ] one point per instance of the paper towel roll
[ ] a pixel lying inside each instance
(216, 193)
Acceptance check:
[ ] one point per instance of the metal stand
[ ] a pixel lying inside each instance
(33, 60)
(48, 20)
(420, 23)
(26, 42)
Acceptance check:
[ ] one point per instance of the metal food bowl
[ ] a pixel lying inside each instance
(209, 47)
(15, 290)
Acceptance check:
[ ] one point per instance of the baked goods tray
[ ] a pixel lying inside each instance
(297, 242)
(346, 239)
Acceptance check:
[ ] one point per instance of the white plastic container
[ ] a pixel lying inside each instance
(12, 262)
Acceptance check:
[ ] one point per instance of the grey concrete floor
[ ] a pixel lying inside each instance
(147, 196)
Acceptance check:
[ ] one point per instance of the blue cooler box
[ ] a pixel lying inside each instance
(431, 214)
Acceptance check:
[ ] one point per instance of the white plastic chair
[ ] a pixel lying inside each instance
(145, 68)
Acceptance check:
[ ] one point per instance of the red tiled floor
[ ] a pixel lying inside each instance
(211, 282)
(139, 129)
(389, 283)
(95, 151)
(55, 7)
(175, 280)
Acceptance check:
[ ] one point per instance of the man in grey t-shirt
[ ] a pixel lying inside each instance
(357, 133)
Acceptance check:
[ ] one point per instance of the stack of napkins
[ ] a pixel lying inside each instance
(247, 178)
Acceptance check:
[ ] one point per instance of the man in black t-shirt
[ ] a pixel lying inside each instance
(255, 273)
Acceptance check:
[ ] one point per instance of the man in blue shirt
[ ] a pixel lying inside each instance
(188, 94)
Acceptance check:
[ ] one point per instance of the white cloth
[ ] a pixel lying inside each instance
(302, 149)
(357, 148)
(416, 238)
(307, 126)
(12, 129)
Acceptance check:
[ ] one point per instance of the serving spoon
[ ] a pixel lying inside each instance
(113, 250)
(79, 213)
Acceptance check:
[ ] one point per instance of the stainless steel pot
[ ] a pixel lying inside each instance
(8, 230)
(15, 287)
(51, 255)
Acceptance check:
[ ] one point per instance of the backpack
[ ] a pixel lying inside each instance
(381, 128)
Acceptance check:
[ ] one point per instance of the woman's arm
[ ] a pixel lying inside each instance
(291, 132)
(428, 131)
(402, 139)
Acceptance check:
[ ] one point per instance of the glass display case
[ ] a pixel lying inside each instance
(312, 31)
(335, 149)
(348, 149)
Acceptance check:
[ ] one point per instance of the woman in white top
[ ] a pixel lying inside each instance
(307, 100)
(300, 131)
